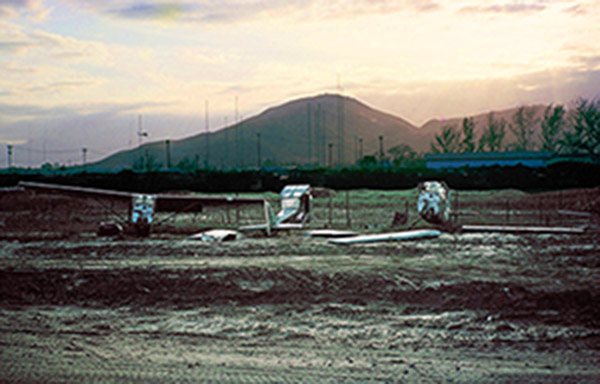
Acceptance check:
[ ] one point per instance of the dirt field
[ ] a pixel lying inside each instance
(461, 308)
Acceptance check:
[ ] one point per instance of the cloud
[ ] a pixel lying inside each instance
(582, 8)
(7, 13)
(421, 101)
(506, 7)
(14, 39)
(73, 110)
(60, 85)
(232, 11)
(33, 9)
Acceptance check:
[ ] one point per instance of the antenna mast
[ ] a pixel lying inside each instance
(340, 123)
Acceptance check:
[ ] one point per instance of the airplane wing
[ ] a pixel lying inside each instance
(163, 202)
(76, 191)
(184, 203)
(394, 236)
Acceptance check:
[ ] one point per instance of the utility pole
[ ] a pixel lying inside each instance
(259, 160)
(340, 124)
(236, 136)
(9, 148)
(308, 134)
(360, 148)
(318, 135)
(226, 131)
(168, 150)
(381, 148)
(141, 134)
(207, 140)
(84, 158)
(323, 126)
(242, 148)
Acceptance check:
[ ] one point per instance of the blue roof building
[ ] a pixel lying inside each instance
(487, 159)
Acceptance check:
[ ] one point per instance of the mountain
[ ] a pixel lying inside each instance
(303, 131)
(286, 137)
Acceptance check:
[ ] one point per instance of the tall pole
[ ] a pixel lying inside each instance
(206, 140)
(84, 158)
(44, 146)
(340, 124)
(323, 126)
(318, 135)
(236, 138)
(140, 132)
(259, 160)
(226, 131)
(9, 148)
(168, 153)
(242, 148)
(360, 148)
(381, 148)
(308, 134)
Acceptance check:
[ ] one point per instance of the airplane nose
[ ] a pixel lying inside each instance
(429, 212)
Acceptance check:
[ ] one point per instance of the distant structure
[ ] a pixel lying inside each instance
(340, 124)
(487, 159)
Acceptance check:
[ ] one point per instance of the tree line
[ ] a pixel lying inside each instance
(576, 131)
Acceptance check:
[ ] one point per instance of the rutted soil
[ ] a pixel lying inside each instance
(189, 288)
(460, 308)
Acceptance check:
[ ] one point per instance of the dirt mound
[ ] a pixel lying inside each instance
(253, 286)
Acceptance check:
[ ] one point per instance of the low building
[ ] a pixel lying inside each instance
(487, 159)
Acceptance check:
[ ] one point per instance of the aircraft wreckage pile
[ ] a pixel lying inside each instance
(445, 307)
(433, 206)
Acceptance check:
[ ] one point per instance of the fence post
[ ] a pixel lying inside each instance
(330, 213)
(237, 211)
(348, 222)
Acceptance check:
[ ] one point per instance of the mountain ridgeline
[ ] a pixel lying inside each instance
(301, 132)
(326, 130)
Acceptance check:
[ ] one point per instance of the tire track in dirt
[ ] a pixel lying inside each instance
(186, 288)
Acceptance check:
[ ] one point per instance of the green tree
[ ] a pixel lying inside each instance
(467, 145)
(448, 141)
(522, 126)
(584, 134)
(403, 155)
(552, 124)
(186, 165)
(493, 136)
(147, 163)
(368, 162)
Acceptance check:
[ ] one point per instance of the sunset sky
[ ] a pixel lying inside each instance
(89, 62)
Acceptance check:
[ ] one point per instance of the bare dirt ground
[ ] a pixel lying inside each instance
(489, 308)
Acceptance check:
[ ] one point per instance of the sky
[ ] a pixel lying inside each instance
(78, 73)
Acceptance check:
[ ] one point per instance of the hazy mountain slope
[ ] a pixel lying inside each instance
(284, 137)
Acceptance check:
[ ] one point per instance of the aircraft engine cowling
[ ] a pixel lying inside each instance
(433, 203)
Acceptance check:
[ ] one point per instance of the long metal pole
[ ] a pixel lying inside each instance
(259, 160)
(168, 153)
(207, 140)
(308, 134)
(84, 158)
(9, 148)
